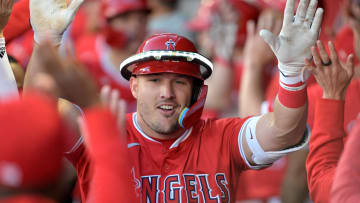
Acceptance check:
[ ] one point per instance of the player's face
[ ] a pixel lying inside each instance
(134, 25)
(160, 100)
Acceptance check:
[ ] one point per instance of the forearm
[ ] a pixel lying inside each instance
(326, 145)
(8, 85)
(294, 187)
(251, 93)
(220, 87)
(112, 179)
(346, 180)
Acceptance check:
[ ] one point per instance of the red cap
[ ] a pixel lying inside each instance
(111, 8)
(167, 53)
(31, 145)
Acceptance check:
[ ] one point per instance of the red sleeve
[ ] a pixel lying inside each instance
(112, 180)
(347, 177)
(19, 21)
(326, 145)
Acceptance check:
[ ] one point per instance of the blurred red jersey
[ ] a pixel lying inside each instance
(27, 199)
(93, 53)
(202, 165)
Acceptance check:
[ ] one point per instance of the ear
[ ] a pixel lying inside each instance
(134, 86)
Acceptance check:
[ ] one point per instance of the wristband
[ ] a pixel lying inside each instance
(292, 98)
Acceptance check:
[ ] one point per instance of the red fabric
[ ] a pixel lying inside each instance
(21, 48)
(19, 21)
(112, 180)
(207, 162)
(292, 99)
(262, 184)
(326, 145)
(344, 43)
(347, 177)
(31, 144)
(352, 104)
(26, 199)
(91, 51)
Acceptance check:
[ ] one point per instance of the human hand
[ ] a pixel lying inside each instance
(50, 18)
(297, 35)
(5, 12)
(269, 20)
(223, 30)
(111, 98)
(65, 78)
(330, 74)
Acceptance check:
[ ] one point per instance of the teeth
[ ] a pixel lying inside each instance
(166, 107)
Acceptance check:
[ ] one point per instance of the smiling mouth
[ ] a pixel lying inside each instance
(167, 110)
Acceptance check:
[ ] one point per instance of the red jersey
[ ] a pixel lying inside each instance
(325, 147)
(202, 165)
(352, 104)
(93, 52)
(347, 179)
(27, 199)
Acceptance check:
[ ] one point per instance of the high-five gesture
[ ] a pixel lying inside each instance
(51, 18)
(297, 35)
(5, 11)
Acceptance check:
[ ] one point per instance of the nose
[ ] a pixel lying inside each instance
(167, 90)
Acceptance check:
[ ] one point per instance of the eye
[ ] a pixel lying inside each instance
(180, 82)
(154, 80)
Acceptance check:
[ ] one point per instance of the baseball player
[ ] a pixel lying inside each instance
(174, 155)
(123, 30)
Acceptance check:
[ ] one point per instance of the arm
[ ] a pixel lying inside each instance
(282, 131)
(326, 143)
(223, 32)
(8, 85)
(346, 181)
(112, 180)
(251, 94)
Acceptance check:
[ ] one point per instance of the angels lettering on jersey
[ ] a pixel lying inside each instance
(183, 188)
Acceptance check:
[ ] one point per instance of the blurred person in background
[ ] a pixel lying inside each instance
(165, 17)
(123, 29)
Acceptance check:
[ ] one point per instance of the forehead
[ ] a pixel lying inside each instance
(166, 76)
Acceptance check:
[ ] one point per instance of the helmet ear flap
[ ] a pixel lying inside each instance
(196, 90)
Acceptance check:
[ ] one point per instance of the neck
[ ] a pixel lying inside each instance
(150, 132)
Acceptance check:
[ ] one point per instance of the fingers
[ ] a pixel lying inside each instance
(323, 54)
(104, 94)
(333, 53)
(315, 27)
(75, 4)
(301, 11)
(114, 98)
(311, 12)
(349, 67)
(250, 28)
(270, 39)
(289, 12)
(121, 112)
(316, 57)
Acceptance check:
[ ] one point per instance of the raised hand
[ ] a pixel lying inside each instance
(111, 98)
(297, 35)
(65, 78)
(329, 73)
(5, 11)
(50, 18)
(268, 20)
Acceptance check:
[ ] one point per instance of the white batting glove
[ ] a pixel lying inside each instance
(297, 36)
(50, 18)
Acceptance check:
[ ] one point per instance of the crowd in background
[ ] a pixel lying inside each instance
(245, 82)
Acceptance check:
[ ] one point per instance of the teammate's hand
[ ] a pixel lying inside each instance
(111, 98)
(66, 79)
(5, 12)
(50, 18)
(223, 30)
(329, 73)
(297, 36)
(268, 20)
